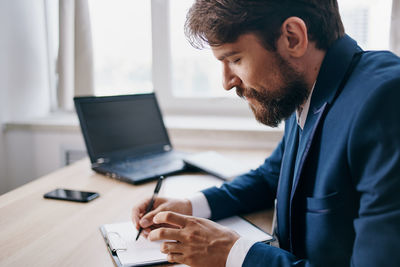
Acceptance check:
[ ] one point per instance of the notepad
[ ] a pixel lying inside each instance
(120, 239)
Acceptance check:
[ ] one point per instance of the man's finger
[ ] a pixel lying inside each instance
(137, 212)
(165, 234)
(175, 257)
(147, 220)
(169, 217)
(171, 247)
(142, 207)
(135, 220)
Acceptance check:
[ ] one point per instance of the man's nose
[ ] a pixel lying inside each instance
(230, 80)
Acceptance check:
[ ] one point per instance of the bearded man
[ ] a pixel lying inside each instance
(336, 171)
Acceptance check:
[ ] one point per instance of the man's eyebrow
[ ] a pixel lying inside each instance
(227, 54)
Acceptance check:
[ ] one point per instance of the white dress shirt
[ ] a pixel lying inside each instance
(302, 111)
(201, 208)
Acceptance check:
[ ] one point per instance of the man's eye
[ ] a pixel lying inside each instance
(235, 61)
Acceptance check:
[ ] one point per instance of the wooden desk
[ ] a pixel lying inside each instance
(40, 232)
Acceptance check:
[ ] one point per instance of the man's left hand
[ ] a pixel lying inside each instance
(199, 242)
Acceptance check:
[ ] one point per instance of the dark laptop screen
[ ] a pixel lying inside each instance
(121, 125)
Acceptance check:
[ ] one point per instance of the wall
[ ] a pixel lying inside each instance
(24, 79)
(2, 97)
(3, 76)
(32, 153)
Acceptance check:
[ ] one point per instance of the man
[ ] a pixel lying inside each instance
(336, 171)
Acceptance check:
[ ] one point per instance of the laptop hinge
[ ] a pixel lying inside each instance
(100, 161)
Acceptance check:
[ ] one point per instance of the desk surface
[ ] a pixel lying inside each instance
(44, 232)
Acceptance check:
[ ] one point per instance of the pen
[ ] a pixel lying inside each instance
(151, 203)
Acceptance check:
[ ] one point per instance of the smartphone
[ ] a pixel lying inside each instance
(71, 195)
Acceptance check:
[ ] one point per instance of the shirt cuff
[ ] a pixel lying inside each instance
(238, 252)
(200, 206)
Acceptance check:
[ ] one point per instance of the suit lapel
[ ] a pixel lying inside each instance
(305, 144)
(286, 174)
(333, 70)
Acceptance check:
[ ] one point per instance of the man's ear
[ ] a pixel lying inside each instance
(294, 37)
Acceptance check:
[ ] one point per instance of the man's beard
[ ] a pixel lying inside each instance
(278, 104)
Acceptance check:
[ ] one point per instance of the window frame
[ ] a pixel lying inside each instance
(162, 75)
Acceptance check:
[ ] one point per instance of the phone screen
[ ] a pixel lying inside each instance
(71, 195)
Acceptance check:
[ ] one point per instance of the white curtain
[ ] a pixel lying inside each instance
(75, 58)
(395, 28)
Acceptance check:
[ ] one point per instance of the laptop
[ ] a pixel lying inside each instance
(126, 138)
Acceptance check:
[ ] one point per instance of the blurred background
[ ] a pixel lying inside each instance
(53, 50)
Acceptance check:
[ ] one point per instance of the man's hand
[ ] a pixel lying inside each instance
(200, 242)
(182, 206)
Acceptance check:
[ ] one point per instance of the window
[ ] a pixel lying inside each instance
(122, 46)
(193, 82)
(368, 22)
(195, 73)
(140, 45)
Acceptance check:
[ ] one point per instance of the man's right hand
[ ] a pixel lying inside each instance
(182, 206)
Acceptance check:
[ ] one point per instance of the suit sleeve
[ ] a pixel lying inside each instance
(249, 192)
(261, 255)
(374, 155)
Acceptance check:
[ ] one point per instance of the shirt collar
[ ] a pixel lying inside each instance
(302, 111)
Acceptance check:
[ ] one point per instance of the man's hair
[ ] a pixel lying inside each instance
(215, 22)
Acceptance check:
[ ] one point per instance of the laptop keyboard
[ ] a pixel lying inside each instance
(150, 166)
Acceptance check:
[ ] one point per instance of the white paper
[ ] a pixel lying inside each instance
(245, 228)
(145, 251)
(182, 186)
(217, 164)
(136, 252)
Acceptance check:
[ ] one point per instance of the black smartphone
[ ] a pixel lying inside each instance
(71, 195)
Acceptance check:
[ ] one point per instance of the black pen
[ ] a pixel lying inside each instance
(151, 203)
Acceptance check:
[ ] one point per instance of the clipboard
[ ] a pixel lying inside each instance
(110, 248)
(120, 240)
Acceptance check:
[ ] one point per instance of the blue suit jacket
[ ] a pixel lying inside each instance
(337, 182)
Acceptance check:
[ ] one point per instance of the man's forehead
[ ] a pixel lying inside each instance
(243, 43)
(227, 49)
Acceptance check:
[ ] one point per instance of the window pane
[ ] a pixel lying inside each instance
(122, 46)
(195, 73)
(367, 21)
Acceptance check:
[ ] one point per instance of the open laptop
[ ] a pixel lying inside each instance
(126, 138)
